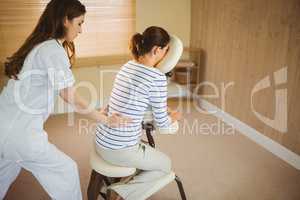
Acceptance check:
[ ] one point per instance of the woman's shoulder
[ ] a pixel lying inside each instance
(51, 49)
(151, 71)
(46, 51)
(51, 46)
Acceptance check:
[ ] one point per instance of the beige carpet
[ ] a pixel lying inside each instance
(211, 164)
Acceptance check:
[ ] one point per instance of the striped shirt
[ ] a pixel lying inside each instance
(136, 89)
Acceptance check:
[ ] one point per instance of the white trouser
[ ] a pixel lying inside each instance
(154, 164)
(55, 171)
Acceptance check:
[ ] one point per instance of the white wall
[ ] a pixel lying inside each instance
(172, 15)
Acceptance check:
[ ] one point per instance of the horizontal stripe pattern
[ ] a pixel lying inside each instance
(136, 88)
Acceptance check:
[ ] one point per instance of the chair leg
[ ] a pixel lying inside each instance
(149, 136)
(107, 181)
(180, 187)
(95, 184)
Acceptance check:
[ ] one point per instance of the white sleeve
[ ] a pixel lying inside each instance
(59, 73)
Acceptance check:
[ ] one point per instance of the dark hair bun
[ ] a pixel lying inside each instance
(143, 43)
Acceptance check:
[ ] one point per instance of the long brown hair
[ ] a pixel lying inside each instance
(49, 26)
(143, 43)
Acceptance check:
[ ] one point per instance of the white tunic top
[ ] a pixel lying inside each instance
(25, 104)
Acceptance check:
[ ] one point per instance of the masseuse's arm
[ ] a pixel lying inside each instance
(70, 96)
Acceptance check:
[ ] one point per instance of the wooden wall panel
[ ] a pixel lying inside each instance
(106, 31)
(108, 28)
(243, 42)
(17, 20)
(292, 139)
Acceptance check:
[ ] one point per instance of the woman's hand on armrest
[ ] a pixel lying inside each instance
(175, 115)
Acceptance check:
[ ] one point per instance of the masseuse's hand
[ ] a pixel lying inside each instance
(115, 120)
(104, 110)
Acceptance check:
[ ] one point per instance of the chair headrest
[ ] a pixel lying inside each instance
(173, 55)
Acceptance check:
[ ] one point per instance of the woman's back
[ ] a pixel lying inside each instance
(136, 88)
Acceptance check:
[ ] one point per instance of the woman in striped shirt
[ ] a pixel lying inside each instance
(138, 86)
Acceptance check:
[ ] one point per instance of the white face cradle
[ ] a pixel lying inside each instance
(173, 55)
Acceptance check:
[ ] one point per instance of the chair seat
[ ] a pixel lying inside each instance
(157, 186)
(101, 166)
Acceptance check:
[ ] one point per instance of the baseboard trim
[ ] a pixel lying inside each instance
(267, 143)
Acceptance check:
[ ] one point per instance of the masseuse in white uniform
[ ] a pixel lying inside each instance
(38, 72)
